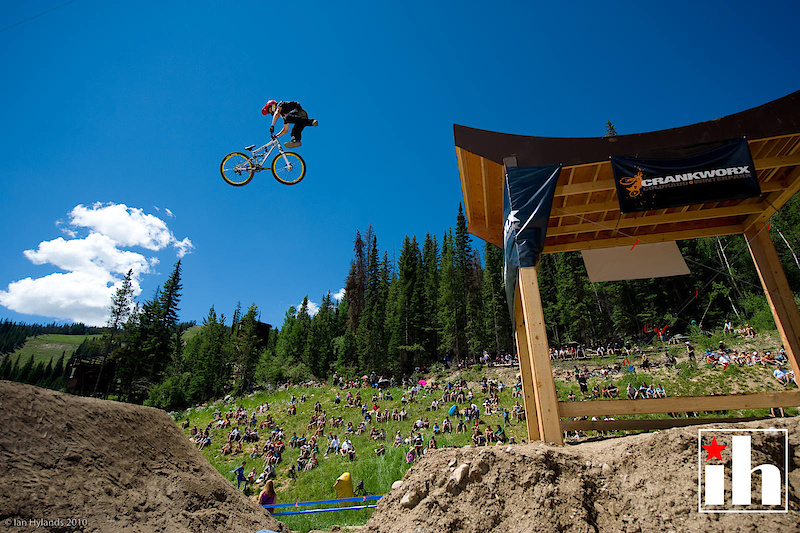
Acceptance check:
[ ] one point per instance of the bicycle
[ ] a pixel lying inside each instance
(361, 491)
(237, 168)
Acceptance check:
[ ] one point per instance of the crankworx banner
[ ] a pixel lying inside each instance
(527, 200)
(724, 173)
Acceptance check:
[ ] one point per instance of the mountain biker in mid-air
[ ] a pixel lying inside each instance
(292, 113)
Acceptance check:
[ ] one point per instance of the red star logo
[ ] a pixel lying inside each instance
(714, 449)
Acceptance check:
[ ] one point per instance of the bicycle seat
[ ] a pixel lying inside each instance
(250, 147)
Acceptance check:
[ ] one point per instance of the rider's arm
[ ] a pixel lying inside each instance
(275, 119)
(276, 114)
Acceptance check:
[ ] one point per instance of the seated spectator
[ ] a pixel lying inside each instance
(333, 445)
(380, 451)
(312, 462)
(432, 445)
(410, 456)
(631, 392)
(783, 377)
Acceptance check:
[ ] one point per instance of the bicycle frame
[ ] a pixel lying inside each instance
(257, 156)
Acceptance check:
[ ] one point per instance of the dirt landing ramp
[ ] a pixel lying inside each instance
(640, 483)
(81, 464)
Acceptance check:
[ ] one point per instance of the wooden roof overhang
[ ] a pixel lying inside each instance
(585, 212)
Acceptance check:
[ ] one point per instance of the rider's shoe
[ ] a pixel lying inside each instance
(314, 122)
(292, 144)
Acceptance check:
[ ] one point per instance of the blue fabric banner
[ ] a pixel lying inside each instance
(527, 201)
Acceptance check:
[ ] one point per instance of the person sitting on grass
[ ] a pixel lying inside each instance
(631, 391)
(784, 377)
(500, 434)
(380, 451)
(312, 462)
(411, 456)
(333, 445)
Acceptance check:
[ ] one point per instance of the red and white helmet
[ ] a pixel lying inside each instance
(268, 108)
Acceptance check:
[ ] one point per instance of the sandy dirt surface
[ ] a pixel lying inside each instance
(639, 483)
(79, 464)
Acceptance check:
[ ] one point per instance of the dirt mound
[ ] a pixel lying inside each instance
(646, 482)
(80, 464)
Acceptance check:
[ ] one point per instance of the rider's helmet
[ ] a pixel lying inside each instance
(269, 107)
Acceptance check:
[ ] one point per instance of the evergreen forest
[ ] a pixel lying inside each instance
(440, 300)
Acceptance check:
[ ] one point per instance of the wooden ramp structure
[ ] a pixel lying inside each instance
(586, 215)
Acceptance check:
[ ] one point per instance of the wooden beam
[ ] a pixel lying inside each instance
(485, 188)
(646, 425)
(539, 355)
(621, 240)
(779, 294)
(774, 201)
(463, 171)
(526, 372)
(777, 162)
(652, 220)
(680, 404)
(585, 209)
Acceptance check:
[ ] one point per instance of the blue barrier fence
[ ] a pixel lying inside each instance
(323, 502)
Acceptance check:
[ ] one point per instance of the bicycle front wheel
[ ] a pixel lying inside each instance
(288, 168)
(236, 169)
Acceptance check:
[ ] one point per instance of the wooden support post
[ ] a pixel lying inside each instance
(544, 388)
(526, 372)
(779, 295)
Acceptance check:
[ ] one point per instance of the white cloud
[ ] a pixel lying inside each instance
(313, 308)
(76, 296)
(339, 295)
(94, 265)
(127, 226)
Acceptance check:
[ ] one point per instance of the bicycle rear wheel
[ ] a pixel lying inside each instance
(236, 169)
(288, 168)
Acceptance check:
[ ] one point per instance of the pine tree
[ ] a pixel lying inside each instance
(447, 302)
(498, 328)
(370, 333)
(247, 353)
(356, 283)
(430, 297)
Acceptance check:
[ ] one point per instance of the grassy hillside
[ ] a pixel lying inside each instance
(378, 473)
(49, 347)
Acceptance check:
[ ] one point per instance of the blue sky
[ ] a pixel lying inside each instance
(116, 116)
